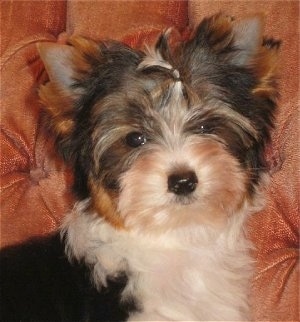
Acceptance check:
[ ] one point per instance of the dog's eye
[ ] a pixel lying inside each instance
(135, 139)
(204, 129)
(208, 127)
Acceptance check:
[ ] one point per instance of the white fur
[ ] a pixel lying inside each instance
(188, 274)
(146, 204)
(154, 58)
(186, 261)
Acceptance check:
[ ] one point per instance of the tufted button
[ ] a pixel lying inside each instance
(37, 174)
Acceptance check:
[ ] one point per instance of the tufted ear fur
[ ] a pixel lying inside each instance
(240, 44)
(65, 65)
(237, 42)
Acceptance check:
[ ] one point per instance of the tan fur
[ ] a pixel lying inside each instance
(85, 48)
(265, 67)
(151, 207)
(59, 105)
(221, 28)
(104, 204)
(264, 62)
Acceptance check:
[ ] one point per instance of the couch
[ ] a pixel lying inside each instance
(36, 184)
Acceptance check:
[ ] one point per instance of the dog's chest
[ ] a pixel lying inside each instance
(177, 283)
(183, 284)
(190, 278)
(167, 286)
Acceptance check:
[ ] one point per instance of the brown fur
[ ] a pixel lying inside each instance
(220, 28)
(104, 204)
(85, 49)
(59, 105)
(265, 67)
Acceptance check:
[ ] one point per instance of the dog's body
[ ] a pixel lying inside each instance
(167, 149)
(170, 276)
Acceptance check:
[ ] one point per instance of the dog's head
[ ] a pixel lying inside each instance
(169, 137)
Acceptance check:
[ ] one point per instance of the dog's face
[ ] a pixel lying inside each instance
(170, 137)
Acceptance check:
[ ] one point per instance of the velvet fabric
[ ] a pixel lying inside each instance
(35, 183)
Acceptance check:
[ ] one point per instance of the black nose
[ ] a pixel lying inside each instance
(182, 183)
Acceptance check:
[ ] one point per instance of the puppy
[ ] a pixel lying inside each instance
(167, 147)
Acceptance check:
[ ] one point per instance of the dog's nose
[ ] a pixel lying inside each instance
(182, 183)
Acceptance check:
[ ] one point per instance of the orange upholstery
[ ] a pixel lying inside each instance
(35, 183)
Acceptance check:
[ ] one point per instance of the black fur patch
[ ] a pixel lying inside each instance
(39, 284)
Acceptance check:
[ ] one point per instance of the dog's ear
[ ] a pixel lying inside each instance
(237, 43)
(58, 95)
(65, 65)
(257, 53)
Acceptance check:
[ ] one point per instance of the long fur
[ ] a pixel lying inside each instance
(167, 147)
(171, 275)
